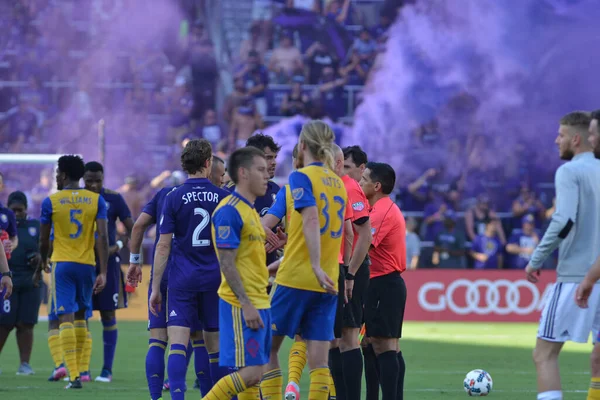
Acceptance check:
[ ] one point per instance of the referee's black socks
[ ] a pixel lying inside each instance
(401, 372)
(371, 373)
(337, 372)
(388, 374)
(353, 369)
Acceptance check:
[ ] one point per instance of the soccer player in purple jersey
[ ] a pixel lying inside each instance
(194, 274)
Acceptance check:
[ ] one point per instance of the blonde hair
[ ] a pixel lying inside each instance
(318, 138)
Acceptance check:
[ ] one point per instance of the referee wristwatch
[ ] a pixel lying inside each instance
(349, 276)
(9, 274)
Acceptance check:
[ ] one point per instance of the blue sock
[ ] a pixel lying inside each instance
(202, 367)
(155, 367)
(177, 368)
(109, 335)
(189, 352)
(216, 372)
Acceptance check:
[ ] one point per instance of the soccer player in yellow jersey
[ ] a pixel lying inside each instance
(73, 212)
(305, 298)
(244, 316)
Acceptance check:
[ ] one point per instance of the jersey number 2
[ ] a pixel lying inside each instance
(196, 241)
(340, 214)
(77, 223)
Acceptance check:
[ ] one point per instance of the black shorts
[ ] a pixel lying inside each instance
(23, 306)
(353, 310)
(339, 313)
(384, 308)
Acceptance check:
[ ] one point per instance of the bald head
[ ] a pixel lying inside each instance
(338, 159)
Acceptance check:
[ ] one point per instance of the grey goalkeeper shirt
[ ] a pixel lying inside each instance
(575, 225)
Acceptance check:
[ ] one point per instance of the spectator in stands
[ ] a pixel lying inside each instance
(413, 244)
(449, 245)
(205, 75)
(317, 58)
(181, 112)
(528, 204)
(235, 99)
(332, 91)
(386, 17)
(356, 69)
(308, 5)
(479, 216)
(20, 127)
(486, 249)
(295, 102)
(418, 191)
(256, 79)
(211, 130)
(434, 215)
(255, 42)
(339, 10)
(522, 243)
(246, 121)
(286, 60)
(40, 191)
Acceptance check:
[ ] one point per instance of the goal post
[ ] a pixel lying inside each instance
(14, 158)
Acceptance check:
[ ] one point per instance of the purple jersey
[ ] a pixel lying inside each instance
(116, 208)
(489, 246)
(186, 215)
(8, 222)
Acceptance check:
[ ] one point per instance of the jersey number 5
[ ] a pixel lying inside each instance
(340, 214)
(77, 223)
(196, 241)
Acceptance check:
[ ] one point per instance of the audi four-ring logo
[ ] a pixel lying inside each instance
(445, 297)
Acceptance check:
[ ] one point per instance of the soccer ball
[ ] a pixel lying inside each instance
(478, 383)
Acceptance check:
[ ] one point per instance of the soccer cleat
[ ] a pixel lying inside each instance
(76, 384)
(197, 384)
(58, 373)
(292, 391)
(105, 376)
(166, 386)
(85, 376)
(25, 369)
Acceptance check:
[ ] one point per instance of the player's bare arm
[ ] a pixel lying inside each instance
(585, 287)
(6, 281)
(45, 246)
(363, 243)
(101, 253)
(134, 272)
(348, 241)
(230, 272)
(161, 256)
(312, 236)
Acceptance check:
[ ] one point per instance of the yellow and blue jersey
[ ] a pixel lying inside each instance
(73, 214)
(283, 205)
(236, 225)
(313, 185)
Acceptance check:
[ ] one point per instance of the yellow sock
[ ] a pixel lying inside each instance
(319, 384)
(332, 391)
(80, 337)
(54, 346)
(271, 385)
(84, 361)
(68, 342)
(226, 388)
(296, 362)
(594, 392)
(252, 393)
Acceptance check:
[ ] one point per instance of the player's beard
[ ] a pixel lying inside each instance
(567, 155)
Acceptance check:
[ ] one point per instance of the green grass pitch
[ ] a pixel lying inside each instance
(437, 357)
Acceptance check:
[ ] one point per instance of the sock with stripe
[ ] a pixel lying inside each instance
(80, 337)
(332, 390)
(68, 342)
(86, 356)
(401, 373)
(550, 395)
(202, 366)
(55, 348)
(216, 372)
(594, 392)
(176, 369)
(371, 373)
(352, 362)
(155, 367)
(251, 393)
(337, 371)
(388, 374)
(227, 387)
(296, 363)
(109, 335)
(319, 384)
(270, 386)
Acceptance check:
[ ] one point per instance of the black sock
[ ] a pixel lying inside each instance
(401, 372)
(371, 373)
(337, 372)
(388, 368)
(353, 369)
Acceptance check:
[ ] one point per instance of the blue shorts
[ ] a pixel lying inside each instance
(160, 321)
(186, 308)
(114, 295)
(240, 346)
(72, 287)
(310, 314)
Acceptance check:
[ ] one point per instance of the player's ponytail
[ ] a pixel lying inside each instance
(318, 138)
